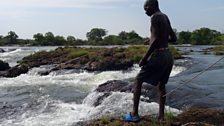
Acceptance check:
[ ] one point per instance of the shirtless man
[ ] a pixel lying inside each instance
(157, 63)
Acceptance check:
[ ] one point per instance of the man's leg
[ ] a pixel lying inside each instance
(162, 100)
(137, 94)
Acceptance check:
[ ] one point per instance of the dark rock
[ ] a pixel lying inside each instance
(4, 66)
(114, 86)
(44, 73)
(100, 99)
(10, 50)
(2, 50)
(3, 73)
(187, 96)
(17, 70)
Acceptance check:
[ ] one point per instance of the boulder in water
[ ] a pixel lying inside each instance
(2, 50)
(114, 86)
(4, 66)
(17, 70)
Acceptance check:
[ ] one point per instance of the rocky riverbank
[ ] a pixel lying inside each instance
(198, 113)
(90, 59)
(191, 117)
(7, 71)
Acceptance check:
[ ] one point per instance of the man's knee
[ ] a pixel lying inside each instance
(138, 81)
(162, 88)
(137, 84)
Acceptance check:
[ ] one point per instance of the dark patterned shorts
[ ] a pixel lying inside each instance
(157, 69)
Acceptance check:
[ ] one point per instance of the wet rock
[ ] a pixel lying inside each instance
(185, 97)
(4, 66)
(44, 73)
(109, 64)
(2, 50)
(17, 70)
(114, 86)
(10, 50)
(3, 73)
(100, 99)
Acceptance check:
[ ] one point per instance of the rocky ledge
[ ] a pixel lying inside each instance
(7, 71)
(198, 112)
(90, 59)
(191, 117)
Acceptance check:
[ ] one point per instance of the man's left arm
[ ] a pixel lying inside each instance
(172, 35)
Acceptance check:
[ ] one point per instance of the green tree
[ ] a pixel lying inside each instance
(204, 36)
(49, 38)
(133, 35)
(71, 40)
(123, 35)
(59, 40)
(130, 37)
(96, 34)
(184, 37)
(112, 40)
(12, 37)
(220, 40)
(39, 37)
(2, 40)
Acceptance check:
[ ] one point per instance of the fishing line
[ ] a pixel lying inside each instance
(172, 91)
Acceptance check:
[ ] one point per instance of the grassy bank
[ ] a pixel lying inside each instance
(134, 53)
(192, 117)
(218, 50)
(61, 55)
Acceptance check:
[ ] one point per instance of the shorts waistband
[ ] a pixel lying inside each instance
(161, 49)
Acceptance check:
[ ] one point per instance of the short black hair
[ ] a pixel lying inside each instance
(154, 3)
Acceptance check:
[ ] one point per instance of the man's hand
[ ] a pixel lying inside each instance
(142, 62)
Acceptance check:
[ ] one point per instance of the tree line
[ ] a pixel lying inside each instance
(98, 36)
(202, 36)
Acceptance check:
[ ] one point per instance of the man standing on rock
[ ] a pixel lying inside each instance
(157, 63)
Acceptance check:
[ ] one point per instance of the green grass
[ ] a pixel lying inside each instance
(218, 50)
(175, 53)
(169, 116)
(77, 53)
(133, 53)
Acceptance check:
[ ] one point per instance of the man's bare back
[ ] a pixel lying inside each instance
(160, 30)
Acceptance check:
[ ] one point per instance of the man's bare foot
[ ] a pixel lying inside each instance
(134, 114)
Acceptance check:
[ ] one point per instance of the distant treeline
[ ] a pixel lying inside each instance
(98, 36)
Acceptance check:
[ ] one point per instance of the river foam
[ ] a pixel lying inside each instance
(64, 98)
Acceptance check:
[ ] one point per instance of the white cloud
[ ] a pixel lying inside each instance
(213, 9)
(20, 8)
(60, 3)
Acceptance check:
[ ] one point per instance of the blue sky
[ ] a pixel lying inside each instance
(77, 17)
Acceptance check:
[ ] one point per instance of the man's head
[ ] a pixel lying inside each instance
(151, 6)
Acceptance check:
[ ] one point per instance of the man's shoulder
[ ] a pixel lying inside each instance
(159, 16)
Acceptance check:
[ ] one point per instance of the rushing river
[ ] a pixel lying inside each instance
(67, 97)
